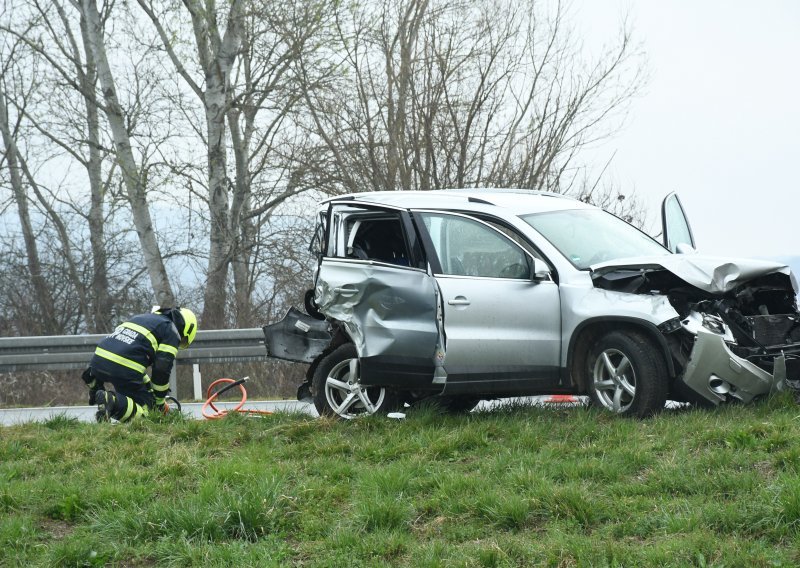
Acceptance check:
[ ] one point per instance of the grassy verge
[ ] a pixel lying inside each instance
(514, 487)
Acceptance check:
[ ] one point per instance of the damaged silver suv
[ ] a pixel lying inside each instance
(465, 295)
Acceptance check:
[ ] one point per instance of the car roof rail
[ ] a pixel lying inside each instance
(478, 200)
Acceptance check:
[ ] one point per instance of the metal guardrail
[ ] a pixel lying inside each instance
(63, 352)
(60, 352)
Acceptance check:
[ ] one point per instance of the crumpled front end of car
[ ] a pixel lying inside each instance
(736, 354)
(718, 374)
(737, 334)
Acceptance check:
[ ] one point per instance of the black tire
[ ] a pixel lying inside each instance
(454, 404)
(627, 375)
(337, 393)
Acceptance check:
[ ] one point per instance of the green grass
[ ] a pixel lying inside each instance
(514, 487)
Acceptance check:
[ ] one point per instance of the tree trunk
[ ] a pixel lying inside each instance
(102, 307)
(132, 179)
(217, 55)
(41, 290)
(221, 241)
(241, 258)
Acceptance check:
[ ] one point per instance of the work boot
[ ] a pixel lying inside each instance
(105, 401)
(93, 395)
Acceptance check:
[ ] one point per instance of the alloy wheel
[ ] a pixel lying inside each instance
(345, 394)
(614, 380)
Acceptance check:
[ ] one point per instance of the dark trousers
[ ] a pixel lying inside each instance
(134, 396)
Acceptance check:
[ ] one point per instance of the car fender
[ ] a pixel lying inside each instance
(607, 323)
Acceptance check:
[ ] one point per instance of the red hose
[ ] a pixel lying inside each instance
(215, 412)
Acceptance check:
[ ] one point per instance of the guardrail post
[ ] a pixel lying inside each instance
(173, 381)
(198, 394)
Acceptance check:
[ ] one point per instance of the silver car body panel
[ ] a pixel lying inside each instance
(582, 303)
(297, 337)
(716, 373)
(710, 274)
(525, 337)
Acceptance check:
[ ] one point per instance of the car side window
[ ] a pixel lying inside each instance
(376, 237)
(317, 245)
(467, 247)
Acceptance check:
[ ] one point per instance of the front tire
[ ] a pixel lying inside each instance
(626, 374)
(337, 389)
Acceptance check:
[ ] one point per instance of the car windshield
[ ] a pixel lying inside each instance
(589, 236)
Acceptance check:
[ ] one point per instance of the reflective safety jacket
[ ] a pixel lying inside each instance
(146, 340)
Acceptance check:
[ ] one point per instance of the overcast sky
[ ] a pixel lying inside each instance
(719, 121)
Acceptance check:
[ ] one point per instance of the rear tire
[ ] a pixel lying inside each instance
(627, 375)
(337, 389)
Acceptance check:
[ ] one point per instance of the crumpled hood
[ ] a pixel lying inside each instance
(715, 275)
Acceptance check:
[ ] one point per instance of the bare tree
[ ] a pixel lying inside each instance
(216, 53)
(58, 49)
(64, 124)
(62, 119)
(457, 94)
(17, 169)
(133, 177)
(240, 71)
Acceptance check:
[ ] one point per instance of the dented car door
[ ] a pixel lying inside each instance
(372, 282)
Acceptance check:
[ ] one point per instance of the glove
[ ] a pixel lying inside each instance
(161, 405)
(87, 377)
(94, 385)
(93, 395)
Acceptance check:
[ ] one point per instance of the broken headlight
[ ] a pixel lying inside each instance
(709, 322)
(670, 325)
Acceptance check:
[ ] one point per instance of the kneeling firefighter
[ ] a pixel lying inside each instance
(122, 359)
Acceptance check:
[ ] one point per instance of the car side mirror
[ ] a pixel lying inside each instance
(539, 270)
(685, 248)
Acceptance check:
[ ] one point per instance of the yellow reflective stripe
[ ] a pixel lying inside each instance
(134, 411)
(128, 411)
(168, 349)
(144, 331)
(160, 388)
(119, 360)
(145, 378)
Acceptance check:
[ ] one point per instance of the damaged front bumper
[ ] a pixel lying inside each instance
(718, 374)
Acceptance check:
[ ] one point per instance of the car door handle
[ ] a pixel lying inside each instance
(345, 290)
(458, 301)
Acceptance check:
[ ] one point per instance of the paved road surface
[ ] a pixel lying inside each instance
(11, 416)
